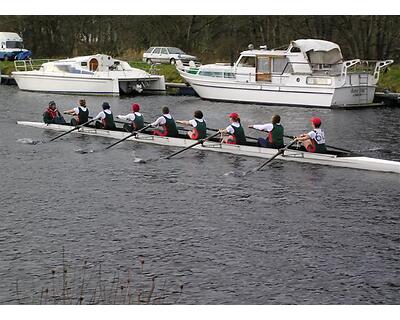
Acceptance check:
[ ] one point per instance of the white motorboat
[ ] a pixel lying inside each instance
(97, 74)
(308, 73)
(332, 159)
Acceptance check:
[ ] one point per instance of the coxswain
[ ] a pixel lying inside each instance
(80, 114)
(106, 117)
(167, 124)
(199, 126)
(314, 141)
(52, 115)
(275, 133)
(234, 133)
(135, 118)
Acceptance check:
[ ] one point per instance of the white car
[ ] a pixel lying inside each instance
(166, 55)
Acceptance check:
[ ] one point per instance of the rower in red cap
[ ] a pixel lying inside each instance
(314, 141)
(135, 117)
(234, 133)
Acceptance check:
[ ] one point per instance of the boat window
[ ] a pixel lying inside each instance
(164, 51)
(93, 64)
(211, 74)
(249, 62)
(295, 49)
(319, 81)
(149, 50)
(84, 64)
(263, 64)
(281, 65)
(229, 75)
(157, 50)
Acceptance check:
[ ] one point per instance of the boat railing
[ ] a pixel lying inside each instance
(30, 64)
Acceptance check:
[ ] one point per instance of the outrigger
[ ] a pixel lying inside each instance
(333, 158)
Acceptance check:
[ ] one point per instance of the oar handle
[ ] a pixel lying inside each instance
(327, 145)
(247, 137)
(128, 136)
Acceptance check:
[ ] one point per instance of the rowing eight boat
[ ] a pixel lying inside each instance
(331, 159)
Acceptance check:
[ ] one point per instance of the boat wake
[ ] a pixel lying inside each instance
(84, 151)
(29, 141)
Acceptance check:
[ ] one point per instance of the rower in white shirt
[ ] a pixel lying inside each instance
(135, 117)
(80, 113)
(199, 126)
(275, 133)
(166, 123)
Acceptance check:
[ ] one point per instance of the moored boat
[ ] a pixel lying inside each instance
(309, 72)
(96, 74)
(331, 159)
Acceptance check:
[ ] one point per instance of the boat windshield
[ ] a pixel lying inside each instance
(248, 62)
(15, 44)
(174, 50)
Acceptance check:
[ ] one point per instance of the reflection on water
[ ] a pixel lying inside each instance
(292, 233)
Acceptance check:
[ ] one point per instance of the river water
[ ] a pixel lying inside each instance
(291, 234)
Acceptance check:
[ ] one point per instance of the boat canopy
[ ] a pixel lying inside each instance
(319, 51)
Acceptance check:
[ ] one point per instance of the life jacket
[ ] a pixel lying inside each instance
(83, 116)
(108, 121)
(238, 136)
(318, 144)
(200, 131)
(275, 136)
(52, 113)
(170, 127)
(138, 123)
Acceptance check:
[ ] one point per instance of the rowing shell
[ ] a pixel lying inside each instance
(355, 162)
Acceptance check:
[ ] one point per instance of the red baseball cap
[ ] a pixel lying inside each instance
(234, 115)
(316, 121)
(135, 107)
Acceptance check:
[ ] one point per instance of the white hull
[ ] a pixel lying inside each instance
(78, 84)
(277, 94)
(358, 162)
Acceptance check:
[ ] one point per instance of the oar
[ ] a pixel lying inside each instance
(328, 146)
(76, 128)
(191, 146)
(281, 151)
(128, 136)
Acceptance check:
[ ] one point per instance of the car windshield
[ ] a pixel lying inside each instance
(175, 50)
(14, 44)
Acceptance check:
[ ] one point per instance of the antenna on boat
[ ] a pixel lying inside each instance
(264, 47)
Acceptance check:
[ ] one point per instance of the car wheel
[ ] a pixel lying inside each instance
(149, 61)
(172, 61)
(6, 58)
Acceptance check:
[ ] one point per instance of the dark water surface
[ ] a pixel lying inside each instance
(294, 233)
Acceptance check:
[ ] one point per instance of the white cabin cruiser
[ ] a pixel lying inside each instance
(308, 73)
(97, 74)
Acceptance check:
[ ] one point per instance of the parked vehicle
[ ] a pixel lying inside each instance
(12, 47)
(166, 55)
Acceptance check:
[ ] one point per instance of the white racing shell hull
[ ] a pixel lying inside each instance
(355, 162)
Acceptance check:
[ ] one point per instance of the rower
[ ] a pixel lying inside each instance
(314, 141)
(199, 126)
(80, 113)
(234, 133)
(275, 133)
(52, 115)
(135, 118)
(106, 117)
(167, 123)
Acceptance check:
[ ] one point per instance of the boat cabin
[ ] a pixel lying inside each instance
(86, 65)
